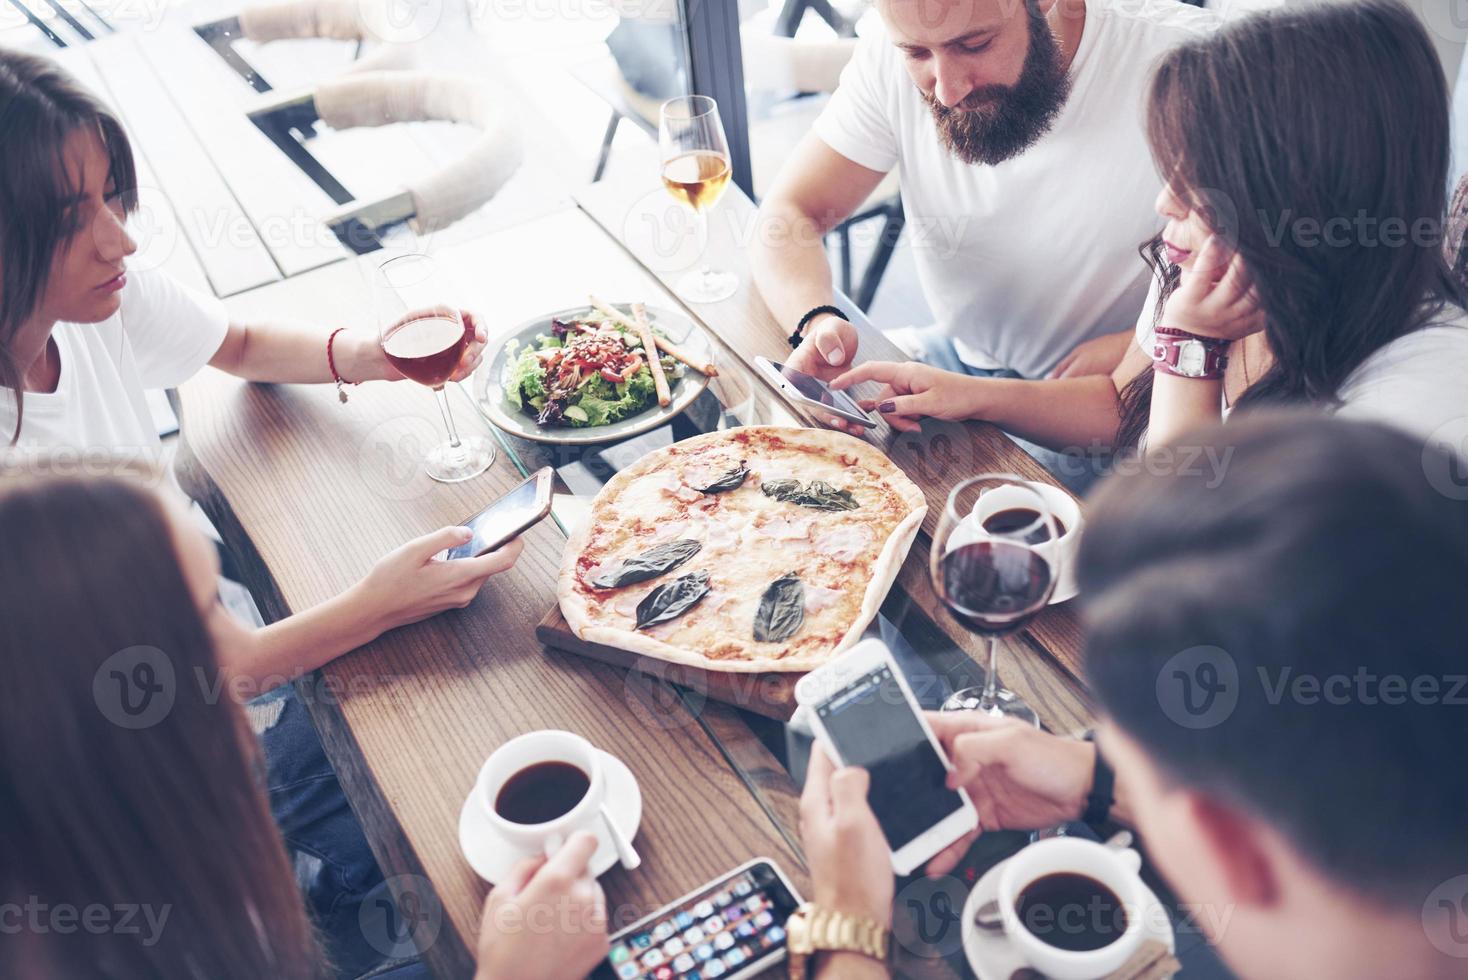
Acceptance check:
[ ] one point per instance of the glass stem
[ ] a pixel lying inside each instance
(448, 418)
(701, 230)
(989, 700)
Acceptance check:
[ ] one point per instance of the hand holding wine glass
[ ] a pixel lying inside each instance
(428, 340)
(987, 568)
(695, 170)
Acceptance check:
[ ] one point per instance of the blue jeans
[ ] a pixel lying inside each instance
(334, 866)
(1076, 469)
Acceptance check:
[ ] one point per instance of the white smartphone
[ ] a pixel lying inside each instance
(813, 393)
(508, 517)
(865, 715)
(731, 928)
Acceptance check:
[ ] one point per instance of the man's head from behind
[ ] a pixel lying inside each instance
(1279, 656)
(991, 71)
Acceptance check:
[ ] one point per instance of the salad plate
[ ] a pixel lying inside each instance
(577, 377)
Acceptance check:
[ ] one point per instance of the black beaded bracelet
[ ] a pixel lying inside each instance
(796, 337)
(1103, 786)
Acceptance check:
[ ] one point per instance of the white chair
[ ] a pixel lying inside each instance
(380, 89)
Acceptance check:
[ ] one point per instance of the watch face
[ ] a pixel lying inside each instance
(1191, 358)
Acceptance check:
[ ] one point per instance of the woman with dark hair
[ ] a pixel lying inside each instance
(1306, 152)
(82, 337)
(108, 804)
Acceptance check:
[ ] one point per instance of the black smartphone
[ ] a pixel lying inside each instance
(813, 393)
(508, 517)
(731, 928)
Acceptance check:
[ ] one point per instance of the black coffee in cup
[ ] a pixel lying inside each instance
(1071, 911)
(542, 792)
(1015, 519)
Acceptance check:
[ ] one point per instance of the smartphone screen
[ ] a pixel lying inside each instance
(817, 391)
(720, 931)
(504, 516)
(875, 726)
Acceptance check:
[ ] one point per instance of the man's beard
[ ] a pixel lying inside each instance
(998, 122)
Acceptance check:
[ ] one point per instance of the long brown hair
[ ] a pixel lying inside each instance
(1290, 122)
(40, 107)
(164, 819)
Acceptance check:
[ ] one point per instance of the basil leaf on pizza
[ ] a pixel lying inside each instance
(673, 599)
(649, 565)
(799, 535)
(817, 495)
(781, 610)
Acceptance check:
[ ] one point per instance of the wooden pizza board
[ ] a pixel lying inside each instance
(768, 694)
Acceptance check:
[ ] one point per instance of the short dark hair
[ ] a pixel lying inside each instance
(1324, 550)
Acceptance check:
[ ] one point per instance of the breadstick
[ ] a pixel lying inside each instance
(650, 347)
(667, 347)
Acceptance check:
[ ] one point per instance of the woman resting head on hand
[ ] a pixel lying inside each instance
(1305, 152)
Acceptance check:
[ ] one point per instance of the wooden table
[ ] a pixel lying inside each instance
(309, 493)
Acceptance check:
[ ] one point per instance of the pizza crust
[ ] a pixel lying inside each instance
(577, 611)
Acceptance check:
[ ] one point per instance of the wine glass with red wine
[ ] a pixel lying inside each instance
(425, 338)
(987, 570)
(695, 170)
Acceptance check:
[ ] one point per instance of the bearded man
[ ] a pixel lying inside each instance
(1017, 127)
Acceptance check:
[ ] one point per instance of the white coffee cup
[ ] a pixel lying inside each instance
(1060, 552)
(1116, 869)
(531, 749)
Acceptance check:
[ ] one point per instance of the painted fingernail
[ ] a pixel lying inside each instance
(887, 407)
(835, 356)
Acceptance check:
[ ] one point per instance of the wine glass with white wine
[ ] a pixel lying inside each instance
(695, 170)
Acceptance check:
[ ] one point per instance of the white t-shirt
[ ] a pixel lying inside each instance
(1417, 383)
(1022, 261)
(161, 335)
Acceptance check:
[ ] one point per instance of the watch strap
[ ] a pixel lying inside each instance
(826, 931)
(1169, 343)
(1103, 789)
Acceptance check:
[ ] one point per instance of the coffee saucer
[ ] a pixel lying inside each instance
(492, 857)
(992, 956)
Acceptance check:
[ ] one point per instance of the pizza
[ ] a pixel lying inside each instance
(750, 549)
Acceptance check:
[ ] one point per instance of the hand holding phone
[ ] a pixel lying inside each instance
(508, 517)
(850, 861)
(814, 394)
(865, 715)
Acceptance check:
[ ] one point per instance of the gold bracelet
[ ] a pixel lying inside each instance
(812, 929)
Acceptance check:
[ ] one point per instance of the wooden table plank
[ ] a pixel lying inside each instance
(230, 251)
(644, 218)
(313, 492)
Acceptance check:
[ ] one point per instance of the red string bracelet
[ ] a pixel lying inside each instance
(341, 391)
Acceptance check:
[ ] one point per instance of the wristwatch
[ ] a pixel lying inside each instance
(1187, 355)
(812, 929)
